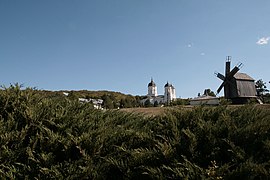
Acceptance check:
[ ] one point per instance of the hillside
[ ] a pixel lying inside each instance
(111, 99)
(98, 94)
(85, 94)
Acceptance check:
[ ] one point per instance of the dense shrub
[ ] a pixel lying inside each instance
(59, 138)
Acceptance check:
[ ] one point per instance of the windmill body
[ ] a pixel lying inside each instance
(239, 87)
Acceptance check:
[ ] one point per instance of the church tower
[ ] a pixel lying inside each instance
(169, 93)
(152, 89)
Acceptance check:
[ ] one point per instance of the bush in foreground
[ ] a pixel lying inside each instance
(59, 138)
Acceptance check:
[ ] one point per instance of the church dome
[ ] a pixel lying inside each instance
(168, 85)
(152, 83)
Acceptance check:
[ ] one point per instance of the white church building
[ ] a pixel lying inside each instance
(152, 96)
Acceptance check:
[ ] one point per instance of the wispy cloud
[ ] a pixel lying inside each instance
(190, 45)
(202, 54)
(263, 41)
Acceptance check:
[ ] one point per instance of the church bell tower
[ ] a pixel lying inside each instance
(152, 88)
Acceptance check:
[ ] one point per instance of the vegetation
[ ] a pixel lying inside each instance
(261, 87)
(111, 100)
(266, 98)
(59, 138)
(179, 102)
(209, 92)
(262, 91)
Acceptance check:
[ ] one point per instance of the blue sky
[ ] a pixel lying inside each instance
(119, 45)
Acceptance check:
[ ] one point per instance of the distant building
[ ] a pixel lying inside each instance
(152, 89)
(204, 99)
(152, 96)
(169, 93)
(97, 103)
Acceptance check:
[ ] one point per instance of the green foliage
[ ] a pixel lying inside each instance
(108, 101)
(147, 103)
(261, 87)
(130, 101)
(224, 101)
(209, 92)
(112, 100)
(266, 98)
(179, 102)
(57, 137)
(156, 104)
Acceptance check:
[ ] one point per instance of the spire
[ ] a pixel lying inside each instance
(152, 83)
(167, 84)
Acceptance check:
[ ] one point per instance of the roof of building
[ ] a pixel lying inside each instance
(243, 76)
(203, 97)
(152, 83)
(168, 85)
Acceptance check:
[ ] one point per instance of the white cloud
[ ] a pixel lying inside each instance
(263, 41)
(202, 54)
(190, 45)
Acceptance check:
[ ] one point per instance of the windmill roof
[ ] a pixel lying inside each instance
(243, 76)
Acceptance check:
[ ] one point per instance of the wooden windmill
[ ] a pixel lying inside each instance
(238, 87)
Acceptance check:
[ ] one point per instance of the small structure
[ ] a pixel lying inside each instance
(65, 93)
(205, 99)
(238, 87)
(97, 103)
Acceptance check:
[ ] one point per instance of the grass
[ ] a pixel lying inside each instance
(154, 111)
(159, 111)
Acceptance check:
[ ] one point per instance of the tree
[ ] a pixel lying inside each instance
(129, 102)
(261, 87)
(147, 103)
(122, 103)
(156, 104)
(209, 92)
(72, 95)
(180, 102)
(138, 101)
(107, 102)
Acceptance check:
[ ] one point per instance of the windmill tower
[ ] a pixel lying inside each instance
(238, 87)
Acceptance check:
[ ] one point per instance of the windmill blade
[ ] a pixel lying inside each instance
(234, 70)
(220, 76)
(220, 87)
